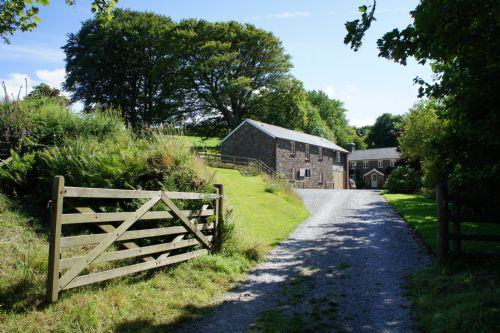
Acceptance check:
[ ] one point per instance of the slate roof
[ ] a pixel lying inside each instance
(374, 154)
(287, 134)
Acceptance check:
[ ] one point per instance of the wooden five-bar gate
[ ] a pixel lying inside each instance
(152, 247)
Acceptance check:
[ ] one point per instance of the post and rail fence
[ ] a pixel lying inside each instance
(236, 162)
(456, 209)
(149, 233)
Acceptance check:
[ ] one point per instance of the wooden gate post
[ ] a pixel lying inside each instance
(55, 238)
(219, 188)
(442, 220)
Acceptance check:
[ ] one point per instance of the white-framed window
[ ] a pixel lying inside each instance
(292, 148)
(308, 154)
(307, 173)
(353, 165)
(320, 153)
(380, 164)
(391, 163)
(365, 164)
(321, 176)
(337, 156)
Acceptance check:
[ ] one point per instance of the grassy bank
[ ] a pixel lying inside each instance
(457, 296)
(154, 301)
(262, 216)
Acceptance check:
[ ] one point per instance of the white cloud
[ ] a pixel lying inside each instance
(53, 78)
(361, 122)
(345, 94)
(33, 53)
(15, 83)
(290, 14)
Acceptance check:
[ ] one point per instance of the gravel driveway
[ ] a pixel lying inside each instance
(352, 253)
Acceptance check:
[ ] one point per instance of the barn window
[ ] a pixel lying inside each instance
(308, 173)
(308, 155)
(320, 154)
(292, 148)
(338, 156)
(365, 164)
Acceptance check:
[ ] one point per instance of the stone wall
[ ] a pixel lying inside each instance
(251, 142)
(290, 164)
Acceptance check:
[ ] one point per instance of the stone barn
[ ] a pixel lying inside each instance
(306, 160)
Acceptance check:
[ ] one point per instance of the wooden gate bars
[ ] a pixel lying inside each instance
(197, 228)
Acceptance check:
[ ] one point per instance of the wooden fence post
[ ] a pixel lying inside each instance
(220, 206)
(457, 242)
(55, 238)
(442, 220)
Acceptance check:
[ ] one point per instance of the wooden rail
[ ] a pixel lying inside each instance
(455, 209)
(165, 245)
(237, 162)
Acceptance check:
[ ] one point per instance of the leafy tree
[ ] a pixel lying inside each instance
(332, 111)
(419, 140)
(23, 14)
(460, 40)
(284, 104)
(384, 132)
(44, 90)
(125, 64)
(227, 64)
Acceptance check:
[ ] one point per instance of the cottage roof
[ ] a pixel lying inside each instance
(374, 154)
(284, 133)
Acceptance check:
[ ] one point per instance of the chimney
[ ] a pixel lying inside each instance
(351, 147)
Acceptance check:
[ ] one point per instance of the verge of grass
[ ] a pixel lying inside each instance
(261, 216)
(454, 296)
(154, 301)
(420, 213)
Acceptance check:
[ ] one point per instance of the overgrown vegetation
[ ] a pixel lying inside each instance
(93, 150)
(456, 296)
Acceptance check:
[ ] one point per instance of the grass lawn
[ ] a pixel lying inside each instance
(459, 295)
(201, 142)
(154, 301)
(420, 213)
(261, 216)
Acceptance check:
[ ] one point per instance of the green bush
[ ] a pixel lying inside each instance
(36, 123)
(94, 150)
(404, 179)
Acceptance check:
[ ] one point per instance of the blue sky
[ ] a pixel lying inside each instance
(312, 33)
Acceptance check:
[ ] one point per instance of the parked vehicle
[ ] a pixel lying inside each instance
(352, 184)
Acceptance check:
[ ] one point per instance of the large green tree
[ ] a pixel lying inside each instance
(23, 14)
(421, 132)
(227, 65)
(282, 104)
(384, 132)
(460, 38)
(125, 64)
(333, 112)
